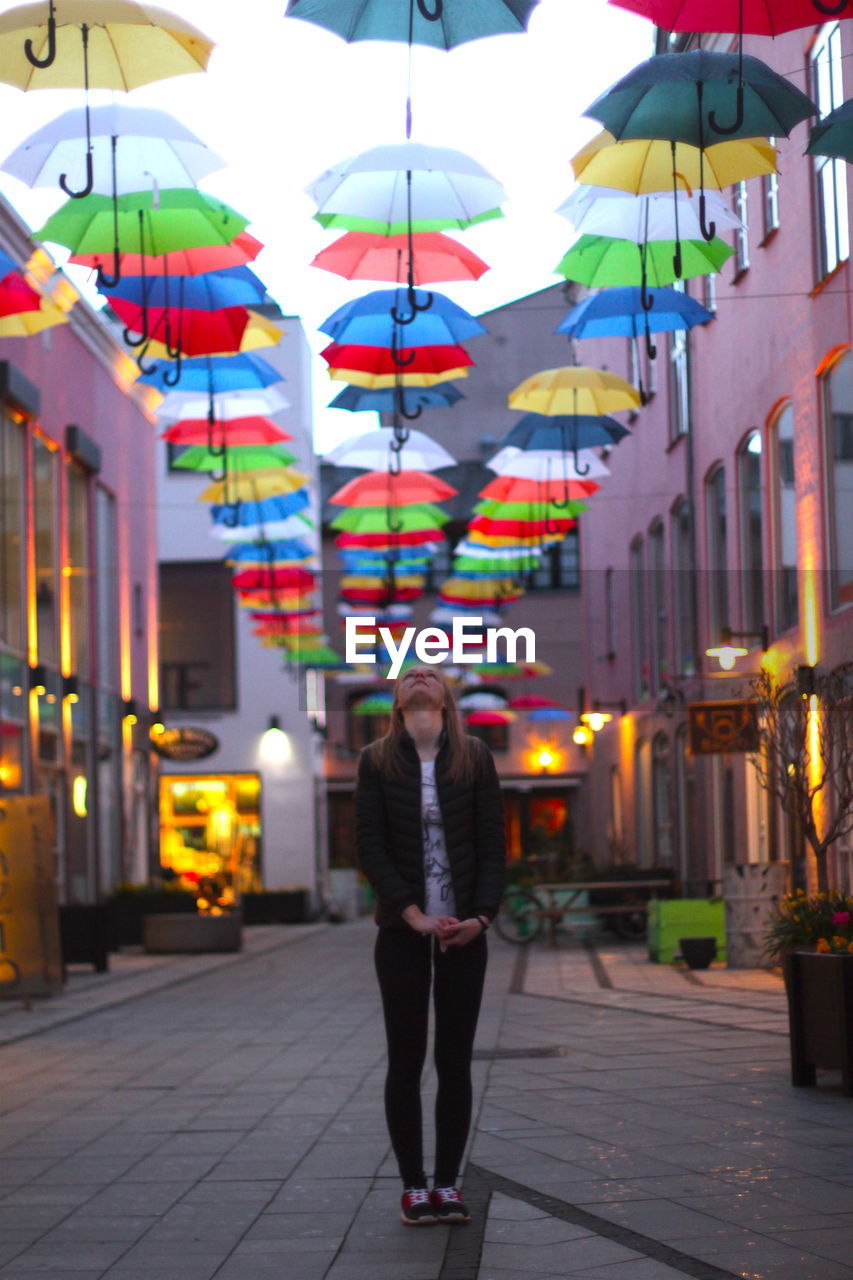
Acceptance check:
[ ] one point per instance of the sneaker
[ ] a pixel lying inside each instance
(449, 1205)
(416, 1208)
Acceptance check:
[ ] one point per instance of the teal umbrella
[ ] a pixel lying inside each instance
(834, 135)
(441, 24)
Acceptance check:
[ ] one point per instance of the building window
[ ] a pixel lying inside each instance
(363, 729)
(679, 379)
(781, 447)
(684, 588)
(559, 568)
(770, 201)
(642, 369)
(838, 415)
(751, 495)
(642, 799)
(46, 506)
(833, 234)
(495, 736)
(741, 241)
(609, 613)
(12, 535)
(683, 806)
(106, 588)
(78, 571)
(659, 618)
(197, 642)
(709, 292)
(662, 801)
(616, 834)
(718, 583)
(640, 647)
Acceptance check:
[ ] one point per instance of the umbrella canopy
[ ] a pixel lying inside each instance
(129, 45)
(373, 704)
(195, 333)
(410, 401)
(644, 165)
(292, 579)
(218, 374)
(231, 287)
(378, 519)
(620, 313)
(259, 332)
(277, 551)
(360, 255)
(150, 145)
(254, 486)
(661, 216)
(524, 513)
(223, 406)
(833, 135)
(482, 700)
(17, 296)
(564, 432)
(574, 389)
(148, 222)
(369, 320)
(379, 487)
(252, 429)
(24, 324)
(688, 97)
(530, 702)
(441, 24)
(522, 489)
(357, 377)
(545, 715)
(265, 514)
(240, 458)
(490, 717)
(243, 249)
(546, 464)
(376, 450)
(389, 189)
(602, 262)
(388, 541)
(758, 17)
(410, 360)
(260, 529)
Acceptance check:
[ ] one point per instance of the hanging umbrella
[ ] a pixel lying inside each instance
(231, 287)
(574, 389)
(531, 702)
(388, 541)
(254, 486)
(659, 216)
(194, 333)
(394, 490)
(684, 96)
(372, 320)
(152, 223)
(242, 250)
(252, 429)
(545, 464)
(408, 401)
(378, 367)
(631, 313)
(647, 165)
(239, 515)
(290, 579)
(441, 24)
(258, 333)
(556, 490)
(436, 257)
(490, 717)
(524, 513)
(378, 519)
(254, 528)
(602, 262)
(564, 432)
(240, 458)
(17, 296)
(222, 406)
(93, 45)
(24, 324)
(218, 374)
(484, 700)
(372, 704)
(545, 715)
(408, 186)
(376, 450)
(758, 17)
(277, 551)
(833, 135)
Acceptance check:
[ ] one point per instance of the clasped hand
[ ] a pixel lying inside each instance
(449, 931)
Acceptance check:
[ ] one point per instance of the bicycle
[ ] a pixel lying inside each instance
(520, 916)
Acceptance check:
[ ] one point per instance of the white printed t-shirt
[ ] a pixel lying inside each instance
(440, 900)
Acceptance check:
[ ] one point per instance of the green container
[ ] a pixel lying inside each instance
(671, 919)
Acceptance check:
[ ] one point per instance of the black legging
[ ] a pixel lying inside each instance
(405, 964)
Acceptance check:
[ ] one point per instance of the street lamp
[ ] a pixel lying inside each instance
(726, 653)
(597, 719)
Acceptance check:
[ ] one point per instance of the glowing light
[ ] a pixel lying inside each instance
(79, 795)
(157, 730)
(276, 748)
(545, 758)
(596, 720)
(726, 654)
(582, 736)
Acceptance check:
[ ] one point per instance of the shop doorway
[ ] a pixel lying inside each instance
(210, 834)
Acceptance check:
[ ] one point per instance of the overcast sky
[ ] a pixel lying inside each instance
(282, 100)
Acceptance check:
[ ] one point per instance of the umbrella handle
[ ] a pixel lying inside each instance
(651, 349)
(395, 461)
(647, 299)
(231, 517)
(105, 281)
(414, 306)
(129, 339)
(398, 359)
(140, 358)
(727, 130)
(401, 435)
(677, 265)
(435, 15)
(50, 56)
(86, 189)
(90, 161)
(411, 417)
(829, 9)
(173, 376)
(709, 229)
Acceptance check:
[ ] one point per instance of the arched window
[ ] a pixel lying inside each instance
(642, 801)
(683, 807)
(684, 587)
(838, 401)
(662, 802)
(751, 502)
(658, 612)
(640, 645)
(718, 584)
(780, 447)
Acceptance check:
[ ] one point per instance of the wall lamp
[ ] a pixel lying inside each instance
(71, 688)
(806, 681)
(726, 652)
(597, 718)
(129, 711)
(38, 679)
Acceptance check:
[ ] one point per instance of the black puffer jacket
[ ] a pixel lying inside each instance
(389, 833)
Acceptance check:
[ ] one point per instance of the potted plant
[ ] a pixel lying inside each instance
(813, 936)
(128, 903)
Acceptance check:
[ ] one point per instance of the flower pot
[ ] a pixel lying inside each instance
(698, 952)
(820, 1015)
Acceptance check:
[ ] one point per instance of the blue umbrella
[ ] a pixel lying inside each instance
(6, 265)
(564, 432)
(619, 313)
(234, 514)
(408, 400)
(376, 319)
(217, 373)
(282, 549)
(549, 713)
(231, 287)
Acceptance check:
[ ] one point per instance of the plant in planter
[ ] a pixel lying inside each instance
(814, 938)
(128, 903)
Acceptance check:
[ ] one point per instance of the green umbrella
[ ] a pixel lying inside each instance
(373, 704)
(240, 458)
(497, 510)
(422, 515)
(495, 564)
(158, 224)
(602, 262)
(350, 222)
(833, 136)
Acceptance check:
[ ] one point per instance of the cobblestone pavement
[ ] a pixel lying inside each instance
(223, 1118)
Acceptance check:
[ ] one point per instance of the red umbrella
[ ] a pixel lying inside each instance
(517, 489)
(519, 528)
(288, 579)
(757, 17)
(249, 430)
(289, 624)
(16, 296)
(183, 262)
(490, 717)
(378, 595)
(361, 255)
(378, 360)
(385, 541)
(528, 701)
(379, 488)
(194, 333)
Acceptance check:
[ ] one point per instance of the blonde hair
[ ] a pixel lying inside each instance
(460, 753)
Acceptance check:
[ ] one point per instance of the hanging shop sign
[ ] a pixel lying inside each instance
(184, 744)
(721, 727)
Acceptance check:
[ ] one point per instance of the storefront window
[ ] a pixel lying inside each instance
(752, 532)
(46, 503)
(210, 837)
(197, 642)
(78, 571)
(12, 594)
(839, 453)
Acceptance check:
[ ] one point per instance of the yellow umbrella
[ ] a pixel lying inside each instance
(643, 166)
(574, 389)
(30, 322)
(129, 45)
(259, 332)
(254, 486)
(358, 378)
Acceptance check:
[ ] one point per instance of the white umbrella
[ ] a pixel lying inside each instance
(293, 527)
(262, 401)
(151, 147)
(483, 700)
(372, 451)
(477, 551)
(444, 613)
(547, 464)
(389, 184)
(650, 217)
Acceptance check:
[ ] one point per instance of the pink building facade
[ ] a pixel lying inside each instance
(730, 505)
(78, 593)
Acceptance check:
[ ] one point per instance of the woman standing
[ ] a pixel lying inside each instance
(430, 835)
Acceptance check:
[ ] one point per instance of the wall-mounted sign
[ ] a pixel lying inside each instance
(718, 727)
(184, 743)
(30, 953)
